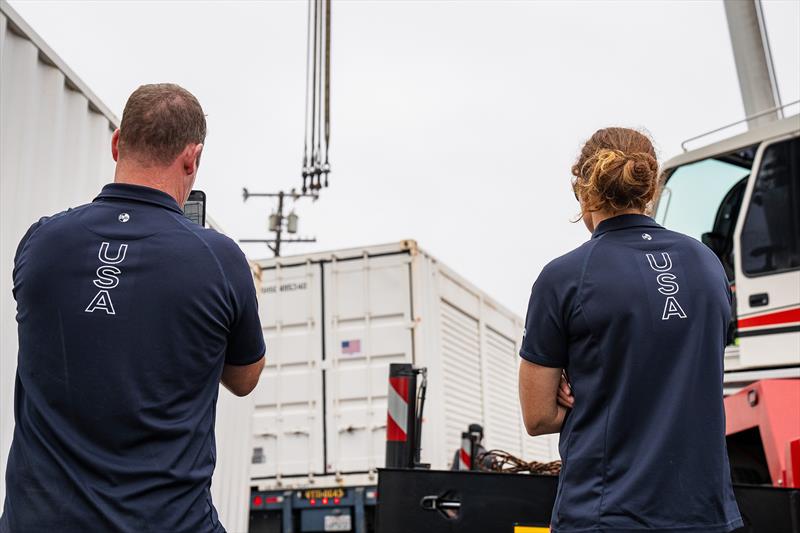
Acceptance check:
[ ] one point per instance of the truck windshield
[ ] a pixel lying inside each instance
(693, 194)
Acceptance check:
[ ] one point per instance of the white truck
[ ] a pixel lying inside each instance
(333, 322)
(741, 197)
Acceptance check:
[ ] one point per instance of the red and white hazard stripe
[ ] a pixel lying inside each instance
(786, 317)
(397, 415)
(464, 457)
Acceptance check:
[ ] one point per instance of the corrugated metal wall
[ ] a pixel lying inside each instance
(54, 153)
(461, 361)
(55, 139)
(503, 427)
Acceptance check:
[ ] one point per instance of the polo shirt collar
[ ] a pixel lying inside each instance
(139, 193)
(622, 222)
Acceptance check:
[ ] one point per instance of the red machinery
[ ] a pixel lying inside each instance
(763, 433)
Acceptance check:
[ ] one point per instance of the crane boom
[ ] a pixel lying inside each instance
(753, 58)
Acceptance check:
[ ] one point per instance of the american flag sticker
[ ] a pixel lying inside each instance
(351, 347)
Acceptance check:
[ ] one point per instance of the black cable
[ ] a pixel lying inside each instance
(327, 167)
(304, 171)
(320, 84)
(502, 461)
(314, 95)
(317, 111)
(421, 393)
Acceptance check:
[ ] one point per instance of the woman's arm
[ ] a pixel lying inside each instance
(538, 394)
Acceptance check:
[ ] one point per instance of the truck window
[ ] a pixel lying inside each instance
(692, 196)
(771, 231)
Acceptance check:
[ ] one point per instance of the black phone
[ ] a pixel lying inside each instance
(195, 207)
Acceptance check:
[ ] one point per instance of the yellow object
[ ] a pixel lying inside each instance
(318, 494)
(531, 529)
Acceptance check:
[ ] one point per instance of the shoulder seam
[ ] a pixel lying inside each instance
(586, 265)
(579, 297)
(184, 224)
(43, 221)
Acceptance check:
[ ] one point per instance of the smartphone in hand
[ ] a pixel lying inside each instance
(195, 207)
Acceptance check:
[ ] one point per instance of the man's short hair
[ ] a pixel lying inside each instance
(158, 122)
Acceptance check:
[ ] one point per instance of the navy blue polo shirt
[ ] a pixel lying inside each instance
(127, 312)
(638, 318)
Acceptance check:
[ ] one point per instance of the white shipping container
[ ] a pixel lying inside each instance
(334, 321)
(55, 153)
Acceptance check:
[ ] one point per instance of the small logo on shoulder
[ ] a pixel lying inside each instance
(647, 237)
(123, 217)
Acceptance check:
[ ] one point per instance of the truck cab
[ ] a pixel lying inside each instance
(741, 197)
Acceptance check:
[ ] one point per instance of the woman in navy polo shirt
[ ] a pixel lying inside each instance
(636, 318)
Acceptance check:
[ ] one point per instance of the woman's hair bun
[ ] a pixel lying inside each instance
(641, 166)
(616, 171)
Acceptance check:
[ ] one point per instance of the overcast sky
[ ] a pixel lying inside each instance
(453, 123)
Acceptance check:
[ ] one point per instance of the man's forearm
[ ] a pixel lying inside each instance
(550, 424)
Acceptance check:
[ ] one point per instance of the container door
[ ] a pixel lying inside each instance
(287, 420)
(768, 262)
(368, 325)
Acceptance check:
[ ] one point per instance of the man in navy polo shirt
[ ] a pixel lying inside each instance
(129, 317)
(637, 317)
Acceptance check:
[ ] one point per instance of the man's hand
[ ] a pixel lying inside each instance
(565, 397)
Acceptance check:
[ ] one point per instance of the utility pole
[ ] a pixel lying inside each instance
(753, 58)
(277, 219)
(316, 166)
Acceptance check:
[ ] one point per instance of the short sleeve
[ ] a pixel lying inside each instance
(544, 340)
(245, 338)
(18, 254)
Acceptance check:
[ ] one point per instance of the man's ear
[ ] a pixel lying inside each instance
(115, 145)
(191, 158)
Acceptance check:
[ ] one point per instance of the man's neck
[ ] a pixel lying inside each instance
(153, 177)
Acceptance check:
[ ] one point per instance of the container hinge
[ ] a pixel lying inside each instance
(352, 429)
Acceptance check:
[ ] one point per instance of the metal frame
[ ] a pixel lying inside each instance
(731, 144)
(745, 119)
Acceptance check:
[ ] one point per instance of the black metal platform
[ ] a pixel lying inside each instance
(440, 501)
(436, 501)
(766, 509)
